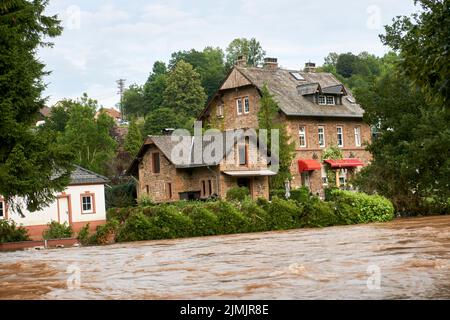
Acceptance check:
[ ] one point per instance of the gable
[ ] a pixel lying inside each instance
(235, 79)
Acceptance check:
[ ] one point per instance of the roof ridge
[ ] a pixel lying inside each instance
(91, 172)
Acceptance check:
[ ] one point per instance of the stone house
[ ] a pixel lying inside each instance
(317, 109)
(167, 170)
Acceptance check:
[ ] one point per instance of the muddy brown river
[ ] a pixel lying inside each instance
(403, 259)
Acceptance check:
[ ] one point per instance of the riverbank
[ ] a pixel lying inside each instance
(240, 215)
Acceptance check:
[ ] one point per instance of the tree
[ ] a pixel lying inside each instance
(133, 140)
(345, 64)
(251, 49)
(133, 101)
(423, 41)
(331, 153)
(410, 156)
(154, 88)
(156, 122)
(89, 137)
(32, 166)
(267, 114)
(184, 94)
(209, 64)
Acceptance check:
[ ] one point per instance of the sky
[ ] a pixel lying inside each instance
(106, 40)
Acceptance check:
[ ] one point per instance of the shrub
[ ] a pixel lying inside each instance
(10, 232)
(256, 216)
(145, 201)
(83, 236)
(329, 193)
(121, 195)
(137, 227)
(57, 230)
(170, 223)
(120, 214)
(279, 193)
(230, 220)
(106, 233)
(300, 195)
(237, 193)
(282, 214)
(369, 208)
(317, 213)
(204, 222)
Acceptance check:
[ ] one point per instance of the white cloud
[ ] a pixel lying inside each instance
(121, 39)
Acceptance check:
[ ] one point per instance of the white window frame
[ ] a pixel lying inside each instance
(324, 100)
(321, 134)
(358, 136)
(220, 111)
(3, 210)
(239, 105)
(302, 133)
(342, 175)
(91, 210)
(328, 97)
(246, 105)
(323, 172)
(341, 133)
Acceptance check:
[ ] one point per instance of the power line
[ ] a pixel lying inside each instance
(121, 87)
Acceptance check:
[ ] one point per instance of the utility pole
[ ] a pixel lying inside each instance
(121, 87)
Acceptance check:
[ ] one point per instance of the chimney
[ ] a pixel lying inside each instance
(310, 67)
(241, 61)
(167, 131)
(271, 64)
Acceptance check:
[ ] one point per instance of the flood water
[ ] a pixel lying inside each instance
(403, 259)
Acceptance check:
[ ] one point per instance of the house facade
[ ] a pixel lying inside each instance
(316, 108)
(236, 162)
(82, 202)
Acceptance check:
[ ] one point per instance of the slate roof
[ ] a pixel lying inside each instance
(84, 176)
(166, 145)
(289, 91)
(45, 111)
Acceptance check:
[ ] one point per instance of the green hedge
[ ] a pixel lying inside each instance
(56, 230)
(237, 193)
(367, 208)
(189, 219)
(10, 232)
(301, 195)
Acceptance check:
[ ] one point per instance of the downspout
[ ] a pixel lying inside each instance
(217, 174)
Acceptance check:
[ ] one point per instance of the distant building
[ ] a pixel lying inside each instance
(82, 202)
(113, 113)
(43, 114)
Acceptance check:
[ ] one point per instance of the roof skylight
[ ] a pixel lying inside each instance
(297, 76)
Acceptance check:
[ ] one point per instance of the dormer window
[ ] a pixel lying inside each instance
(330, 100)
(326, 100)
(322, 100)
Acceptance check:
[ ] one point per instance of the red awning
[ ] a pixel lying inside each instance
(345, 163)
(308, 165)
